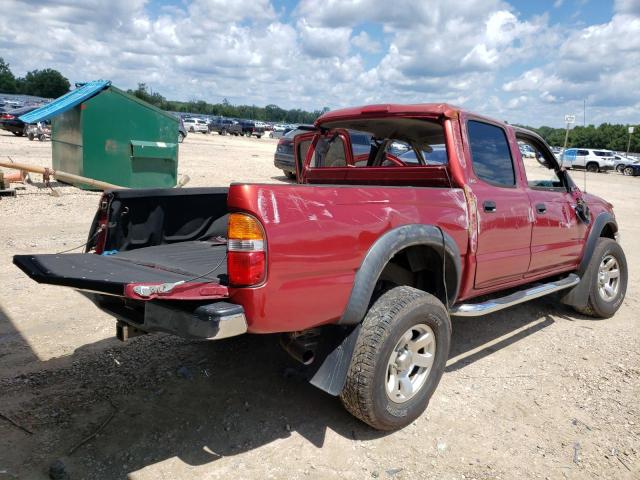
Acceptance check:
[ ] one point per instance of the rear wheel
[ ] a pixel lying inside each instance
(592, 167)
(222, 132)
(289, 175)
(628, 171)
(620, 168)
(180, 137)
(608, 275)
(42, 137)
(31, 136)
(399, 358)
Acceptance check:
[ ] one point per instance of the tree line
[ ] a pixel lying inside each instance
(47, 83)
(606, 136)
(270, 113)
(50, 83)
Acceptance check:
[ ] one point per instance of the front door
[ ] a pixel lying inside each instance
(558, 234)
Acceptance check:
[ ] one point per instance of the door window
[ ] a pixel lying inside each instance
(539, 168)
(490, 154)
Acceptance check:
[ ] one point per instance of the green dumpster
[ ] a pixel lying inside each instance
(107, 134)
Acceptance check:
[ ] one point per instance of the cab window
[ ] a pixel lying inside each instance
(490, 154)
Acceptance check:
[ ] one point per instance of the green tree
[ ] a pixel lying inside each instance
(48, 83)
(7, 80)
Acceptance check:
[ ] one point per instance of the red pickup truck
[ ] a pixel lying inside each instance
(362, 263)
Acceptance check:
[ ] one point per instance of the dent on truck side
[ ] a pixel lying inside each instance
(317, 239)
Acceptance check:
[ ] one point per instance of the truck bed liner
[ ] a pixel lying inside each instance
(110, 274)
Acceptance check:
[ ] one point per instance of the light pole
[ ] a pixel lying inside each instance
(629, 142)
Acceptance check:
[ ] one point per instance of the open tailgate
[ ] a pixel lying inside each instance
(187, 271)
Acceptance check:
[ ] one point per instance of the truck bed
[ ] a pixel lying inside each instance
(174, 262)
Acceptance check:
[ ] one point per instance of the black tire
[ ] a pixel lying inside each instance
(42, 137)
(18, 134)
(620, 168)
(592, 167)
(222, 132)
(180, 137)
(628, 171)
(391, 316)
(31, 136)
(192, 130)
(258, 136)
(290, 175)
(597, 306)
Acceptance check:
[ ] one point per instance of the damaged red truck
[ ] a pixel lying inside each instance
(362, 263)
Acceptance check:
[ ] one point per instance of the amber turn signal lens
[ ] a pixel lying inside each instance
(244, 227)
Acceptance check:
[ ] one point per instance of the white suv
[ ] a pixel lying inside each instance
(196, 125)
(591, 159)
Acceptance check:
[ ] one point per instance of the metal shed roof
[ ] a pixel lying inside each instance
(66, 102)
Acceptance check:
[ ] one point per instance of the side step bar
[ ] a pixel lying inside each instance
(495, 304)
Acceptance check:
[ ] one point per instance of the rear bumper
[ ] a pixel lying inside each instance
(212, 321)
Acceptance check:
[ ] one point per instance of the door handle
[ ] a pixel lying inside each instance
(541, 208)
(489, 206)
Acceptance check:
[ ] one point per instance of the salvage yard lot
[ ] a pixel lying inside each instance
(532, 391)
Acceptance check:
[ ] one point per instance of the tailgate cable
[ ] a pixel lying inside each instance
(100, 228)
(148, 290)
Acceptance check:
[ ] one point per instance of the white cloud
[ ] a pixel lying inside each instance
(364, 42)
(475, 52)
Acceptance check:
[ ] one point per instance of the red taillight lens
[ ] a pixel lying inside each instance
(246, 258)
(246, 268)
(6, 116)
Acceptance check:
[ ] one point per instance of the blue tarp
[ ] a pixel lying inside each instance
(65, 102)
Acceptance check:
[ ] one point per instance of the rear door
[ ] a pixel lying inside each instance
(504, 227)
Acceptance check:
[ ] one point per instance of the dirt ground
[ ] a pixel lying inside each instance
(536, 391)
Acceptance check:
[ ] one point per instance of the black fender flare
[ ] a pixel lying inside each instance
(578, 296)
(383, 250)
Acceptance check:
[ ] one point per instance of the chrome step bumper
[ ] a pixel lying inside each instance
(495, 304)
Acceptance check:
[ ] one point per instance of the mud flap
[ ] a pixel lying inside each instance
(332, 373)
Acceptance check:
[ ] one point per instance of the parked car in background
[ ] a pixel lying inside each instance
(9, 121)
(194, 125)
(621, 161)
(591, 159)
(182, 131)
(526, 151)
(250, 128)
(224, 126)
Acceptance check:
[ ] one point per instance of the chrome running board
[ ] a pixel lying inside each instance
(495, 304)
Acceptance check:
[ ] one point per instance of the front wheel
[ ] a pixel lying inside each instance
(628, 171)
(31, 136)
(608, 275)
(399, 358)
(592, 167)
(620, 168)
(180, 137)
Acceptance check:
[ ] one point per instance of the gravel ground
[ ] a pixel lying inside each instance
(536, 391)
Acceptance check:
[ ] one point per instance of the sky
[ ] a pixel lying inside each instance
(527, 62)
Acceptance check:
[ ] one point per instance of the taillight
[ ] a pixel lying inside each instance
(6, 116)
(246, 257)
